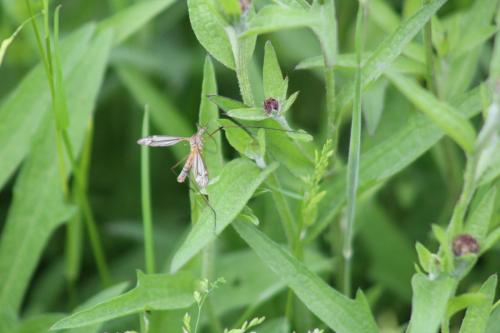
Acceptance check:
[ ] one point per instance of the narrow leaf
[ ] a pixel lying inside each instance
(441, 113)
(272, 77)
(248, 114)
(340, 313)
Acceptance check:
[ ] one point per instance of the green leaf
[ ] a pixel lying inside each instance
(401, 64)
(389, 50)
(473, 39)
(164, 114)
(430, 298)
(39, 206)
(20, 113)
(492, 239)
(459, 303)
(209, 116)
(271, 73)
(238, 181)
(480, 215)
(424, 257)
(373, 104)
(227, 104)
(442, 114)
(248, 114)
(211, 30)
(476, 316)
(153, 292)
(334, 309)
(128, 21)
(243, 142)
(289, 102)
(493, 320)
(412, 134)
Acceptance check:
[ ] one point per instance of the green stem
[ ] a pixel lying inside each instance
(429, 56)
(353, 159)
(147, 219)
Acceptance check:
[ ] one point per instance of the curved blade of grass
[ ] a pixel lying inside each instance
(128, 21)
(389, 50)
(476, 316)
(39, 206)
(238, 181)
(153, 292)
(442, 114)
(430, 298)
(20, 117)
(340, 313)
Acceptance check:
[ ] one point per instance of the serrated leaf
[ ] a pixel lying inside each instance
(430, 298)
(153, 292)
(238, 181)
(271, 74)
(39, 206)
(340, 313)
(441, 113)
(476, 316)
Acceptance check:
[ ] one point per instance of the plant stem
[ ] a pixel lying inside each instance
(353, 160)
(429, 56)
(147, 219)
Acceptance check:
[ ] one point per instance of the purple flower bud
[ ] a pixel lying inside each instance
(245, 5)
(271, 105)
(464, 244)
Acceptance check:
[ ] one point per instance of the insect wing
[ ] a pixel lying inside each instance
(161, 140)
(200, 171)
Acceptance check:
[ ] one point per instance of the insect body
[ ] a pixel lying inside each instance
(194, 162)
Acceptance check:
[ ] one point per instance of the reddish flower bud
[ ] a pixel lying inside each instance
(464, 244)
(271, 105)
(245, 5)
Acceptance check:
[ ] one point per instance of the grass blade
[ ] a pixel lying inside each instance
(147, 218)
(340, 313)
(35, 214)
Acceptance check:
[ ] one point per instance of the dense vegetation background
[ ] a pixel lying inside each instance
(428, 172)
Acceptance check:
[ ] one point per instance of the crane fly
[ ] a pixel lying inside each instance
(194, 161)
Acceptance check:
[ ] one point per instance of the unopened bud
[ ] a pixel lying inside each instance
(271, 105)
(464, 244)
